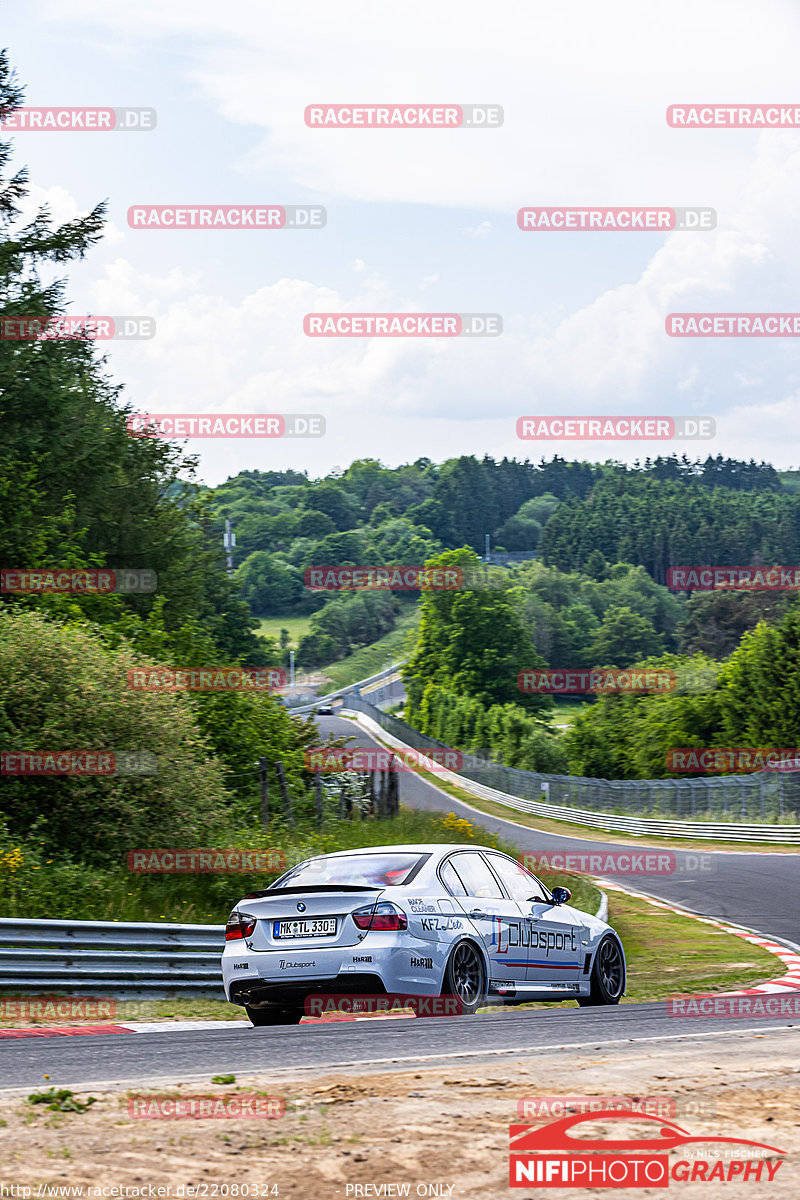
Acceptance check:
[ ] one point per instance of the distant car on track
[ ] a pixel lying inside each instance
(325, 710)
(422, 920)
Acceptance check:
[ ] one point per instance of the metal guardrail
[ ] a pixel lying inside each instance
(109, 957)
(350, 690)
(774, 793)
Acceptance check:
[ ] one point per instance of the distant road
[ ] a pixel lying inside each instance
(760, 890)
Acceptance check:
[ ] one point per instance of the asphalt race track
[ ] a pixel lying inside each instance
(760, 891)
(128, 1057)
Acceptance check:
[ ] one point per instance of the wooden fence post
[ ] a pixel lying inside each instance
(262, 772)
(393, 790)
(287, 802)
(318, 795)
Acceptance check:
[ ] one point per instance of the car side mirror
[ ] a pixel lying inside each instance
(561, 895)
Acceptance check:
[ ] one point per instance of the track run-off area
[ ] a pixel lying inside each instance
(759, 891)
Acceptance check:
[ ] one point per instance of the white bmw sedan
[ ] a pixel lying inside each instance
(423, 920)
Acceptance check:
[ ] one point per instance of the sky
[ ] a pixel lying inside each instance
(426, 220)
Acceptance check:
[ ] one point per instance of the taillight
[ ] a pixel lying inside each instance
(383, 917)
(240, 925)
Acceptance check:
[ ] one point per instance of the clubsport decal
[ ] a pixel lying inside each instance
(519, 935)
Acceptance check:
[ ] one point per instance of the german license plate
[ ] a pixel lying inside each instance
(305, 927)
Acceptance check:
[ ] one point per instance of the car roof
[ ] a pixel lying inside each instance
(414, 847)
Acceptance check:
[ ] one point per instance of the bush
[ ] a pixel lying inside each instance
(63, 689)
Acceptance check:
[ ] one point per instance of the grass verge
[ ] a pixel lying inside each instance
(564, 712)
(298, 627)
(371, 659)
(669, 954)
(568, 829)
(80, 892)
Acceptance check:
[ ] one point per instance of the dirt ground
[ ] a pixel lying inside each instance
(441, 1132)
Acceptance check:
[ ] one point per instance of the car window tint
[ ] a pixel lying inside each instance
(451, 880)
(478, 879)
(375, 870)
(518, 882)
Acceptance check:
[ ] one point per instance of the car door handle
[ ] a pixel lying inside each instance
(477, 912)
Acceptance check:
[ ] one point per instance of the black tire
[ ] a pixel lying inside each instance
(274, 1016)
(608, 975)
(465, 977)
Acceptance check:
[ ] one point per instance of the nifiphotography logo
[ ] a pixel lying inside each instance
(571, 1152)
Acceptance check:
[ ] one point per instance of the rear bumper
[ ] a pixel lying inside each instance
(293, 994)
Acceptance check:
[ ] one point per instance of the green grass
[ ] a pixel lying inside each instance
(564, 712)
(371, 659)
(80, 892)
(790, 480)
(271, 627)
(669, 955)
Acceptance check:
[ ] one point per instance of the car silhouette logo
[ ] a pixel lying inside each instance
(301, 907)
(557, 1136)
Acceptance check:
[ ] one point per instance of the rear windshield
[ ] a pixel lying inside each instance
(374, 870)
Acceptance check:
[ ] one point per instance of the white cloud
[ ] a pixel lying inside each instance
(584, 90)
(612, 355)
